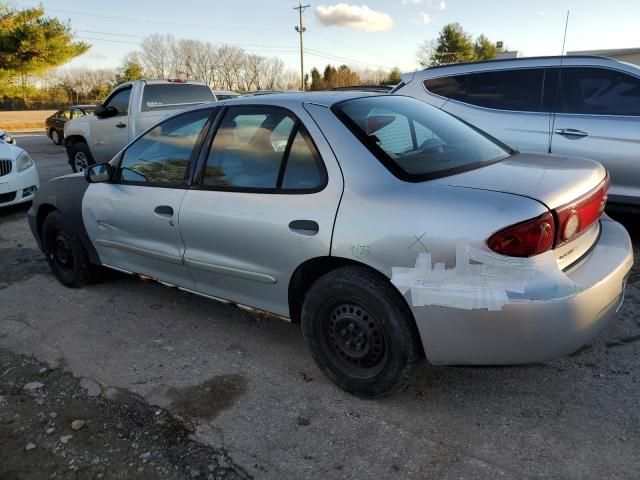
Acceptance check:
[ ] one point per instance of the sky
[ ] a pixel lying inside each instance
(373, 34)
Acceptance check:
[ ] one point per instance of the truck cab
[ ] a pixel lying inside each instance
(128, 110)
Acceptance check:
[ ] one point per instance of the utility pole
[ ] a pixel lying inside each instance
(301, 29)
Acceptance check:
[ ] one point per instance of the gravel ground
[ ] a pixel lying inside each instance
(244, 390)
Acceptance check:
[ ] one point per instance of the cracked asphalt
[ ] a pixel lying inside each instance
(242, 392)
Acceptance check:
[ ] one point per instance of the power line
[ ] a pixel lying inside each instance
(334, 58)
(345, 44)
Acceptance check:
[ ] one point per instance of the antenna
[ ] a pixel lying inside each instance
(566, 26)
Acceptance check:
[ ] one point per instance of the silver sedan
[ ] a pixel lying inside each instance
(388, 228)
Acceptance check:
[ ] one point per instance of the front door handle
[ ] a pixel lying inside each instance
(164, 211)
(121, 125)
(570, 132)
(304, 227)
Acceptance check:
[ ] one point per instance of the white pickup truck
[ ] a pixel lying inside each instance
(129, 110)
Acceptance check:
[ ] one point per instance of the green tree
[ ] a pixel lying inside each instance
(484, 49)
(317, 82)
(130, 71)
(454, 45)
(393, 78)
(329, 77)
(31, 43)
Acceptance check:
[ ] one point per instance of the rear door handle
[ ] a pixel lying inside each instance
(570, 132)
(164, 211)
(304, 227)
(121, 125)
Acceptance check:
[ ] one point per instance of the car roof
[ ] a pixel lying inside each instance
(524, 62)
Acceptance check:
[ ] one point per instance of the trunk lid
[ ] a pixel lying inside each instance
(566, 186)
(553, 181)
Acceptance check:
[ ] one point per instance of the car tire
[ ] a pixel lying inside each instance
(67, 257)
(360, 332)
(56, 137)
(80, 156)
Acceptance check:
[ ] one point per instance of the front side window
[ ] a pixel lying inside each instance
(120, 101)
(262, 148)
(65, 114)
(517, 90)
(162, 155)
(416, 141)
(162, 96)
(598, 91)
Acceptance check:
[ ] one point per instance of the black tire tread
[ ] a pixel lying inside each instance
(375, 283)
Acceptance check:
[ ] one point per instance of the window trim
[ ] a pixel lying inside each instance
(195, 152)
(556, 102)
(198, 178)
(466, 87)
(395, 169)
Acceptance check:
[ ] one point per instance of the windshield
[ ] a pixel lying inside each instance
(416, 141)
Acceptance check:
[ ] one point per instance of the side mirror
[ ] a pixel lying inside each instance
(105, 112)
(99, 173)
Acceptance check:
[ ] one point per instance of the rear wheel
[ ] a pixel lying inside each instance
(360, 332)
(80, 157)
(56, 136)
(67, 257)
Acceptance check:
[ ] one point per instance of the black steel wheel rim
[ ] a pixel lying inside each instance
(62, 251)
(354, 340)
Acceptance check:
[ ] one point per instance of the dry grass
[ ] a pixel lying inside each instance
(24, 120)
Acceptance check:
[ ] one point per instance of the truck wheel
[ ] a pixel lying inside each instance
(360, 332)
(67, 257)
(80, 157)
(56, 136)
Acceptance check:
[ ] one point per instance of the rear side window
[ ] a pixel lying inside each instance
(416, 141)
(164, 96)
(263, 149)
(519, 90)
(454, 87)
(515, 90)
(598, 91)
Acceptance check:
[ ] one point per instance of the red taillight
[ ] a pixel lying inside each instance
(551, 230)
(525, 239)
(576, 217)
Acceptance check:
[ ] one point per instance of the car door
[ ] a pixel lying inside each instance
(134, 221)
(508, 104)
(265, 202)
(110, 134)
(60, 119)
(598, 117)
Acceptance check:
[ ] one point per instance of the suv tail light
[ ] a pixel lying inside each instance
(554, 228)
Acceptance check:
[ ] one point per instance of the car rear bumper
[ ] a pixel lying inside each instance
(528, 330)
(12, 187)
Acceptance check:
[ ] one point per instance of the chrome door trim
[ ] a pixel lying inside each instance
(140, 251)
(231, 271)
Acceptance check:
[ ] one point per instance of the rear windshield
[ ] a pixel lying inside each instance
(172, 95)
(416, 141)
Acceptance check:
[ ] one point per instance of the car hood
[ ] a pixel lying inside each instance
(552, 180)
(8, 151)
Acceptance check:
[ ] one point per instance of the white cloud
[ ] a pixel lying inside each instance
(426, 18)
(412, 2)
(442, 6)
(354, 16)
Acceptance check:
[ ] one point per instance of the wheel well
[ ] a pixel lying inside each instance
(72, 140)
(310, 271)
(43, 211)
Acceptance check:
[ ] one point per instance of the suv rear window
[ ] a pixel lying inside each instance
(163, 96)
(416, 141)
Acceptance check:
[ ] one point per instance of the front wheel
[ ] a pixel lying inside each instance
(360, 332)
(56, 136)
(80, 157)
(67, 257)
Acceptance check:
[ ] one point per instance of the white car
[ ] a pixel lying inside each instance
(19, 179)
